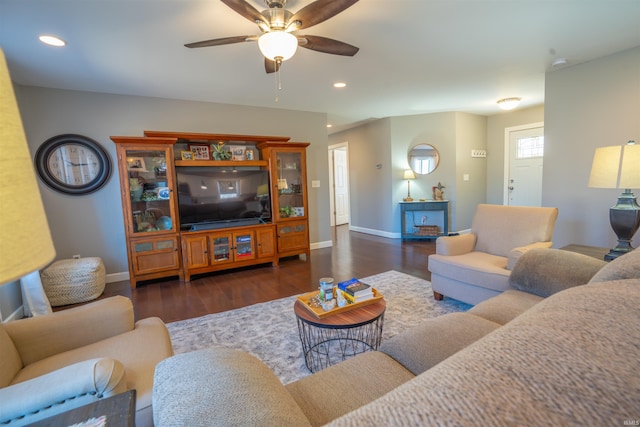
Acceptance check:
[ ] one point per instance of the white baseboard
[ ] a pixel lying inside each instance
(17, 314)
(117, 277)
(320, 245)
(375, 232)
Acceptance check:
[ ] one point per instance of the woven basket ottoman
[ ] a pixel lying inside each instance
(70, 281)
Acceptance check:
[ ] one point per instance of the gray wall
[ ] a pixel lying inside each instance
(587, 106)
(375, 193)
(92, 225)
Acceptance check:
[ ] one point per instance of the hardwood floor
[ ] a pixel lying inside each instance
(352, 255)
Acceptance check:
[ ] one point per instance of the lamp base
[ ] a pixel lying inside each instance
(625, 221)
(408, 199)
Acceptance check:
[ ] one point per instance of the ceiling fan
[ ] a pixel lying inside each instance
(277, 43)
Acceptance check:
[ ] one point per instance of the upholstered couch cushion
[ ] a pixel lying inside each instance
(544, 272)
(429, 343)
(480, 268)
(499, 228)
(624, 267)
(505, 307)
(221, 387)
(339, 389)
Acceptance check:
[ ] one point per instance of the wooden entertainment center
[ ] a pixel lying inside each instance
(185, 216)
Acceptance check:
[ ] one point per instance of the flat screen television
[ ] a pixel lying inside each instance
(216, 197)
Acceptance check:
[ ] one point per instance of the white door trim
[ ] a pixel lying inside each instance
(507, 138)
(331, 148)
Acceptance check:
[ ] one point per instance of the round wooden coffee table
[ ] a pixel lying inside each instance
(334, 338)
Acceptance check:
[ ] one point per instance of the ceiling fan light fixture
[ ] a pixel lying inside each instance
(509, 103)
(278, 44)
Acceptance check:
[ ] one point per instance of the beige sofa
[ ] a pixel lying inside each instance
(53, 363)
(475, 266)
(520, 358)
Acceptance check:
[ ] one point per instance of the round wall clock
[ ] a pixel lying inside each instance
(73, 164)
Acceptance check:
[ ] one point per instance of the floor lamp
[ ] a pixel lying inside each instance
(25, 240)
(618, 167)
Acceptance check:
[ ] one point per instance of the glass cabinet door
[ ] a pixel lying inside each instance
(221, 246)
(244, 245)
(290, 184)
(149, 190)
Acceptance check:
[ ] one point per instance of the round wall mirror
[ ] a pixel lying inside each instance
(423, 158)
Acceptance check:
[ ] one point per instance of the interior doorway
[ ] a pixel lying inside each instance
(524, 150)
(339, 183)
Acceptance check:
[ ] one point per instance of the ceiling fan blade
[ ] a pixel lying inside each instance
(222, 41)
(319, 11)
(323, 44)
(246, 10)
(271, 66)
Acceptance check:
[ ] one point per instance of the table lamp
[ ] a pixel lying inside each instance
(618, 167)
(25, 239)
(408, 175)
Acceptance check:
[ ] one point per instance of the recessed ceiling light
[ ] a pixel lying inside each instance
(329, 125)
(52, 40)
(340, 85)
(509, 103)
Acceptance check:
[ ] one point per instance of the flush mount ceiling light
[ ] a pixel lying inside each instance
(509, 103)
(52, 40)
(339, 85)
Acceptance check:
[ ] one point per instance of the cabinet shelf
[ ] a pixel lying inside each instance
(223, 163)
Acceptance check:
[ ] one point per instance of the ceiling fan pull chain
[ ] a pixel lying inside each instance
(277, 73)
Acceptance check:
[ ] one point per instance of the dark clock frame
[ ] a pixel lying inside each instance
(51, 144)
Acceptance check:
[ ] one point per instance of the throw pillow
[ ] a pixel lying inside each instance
(544, 272)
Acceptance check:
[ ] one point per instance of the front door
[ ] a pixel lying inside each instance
(524, 183)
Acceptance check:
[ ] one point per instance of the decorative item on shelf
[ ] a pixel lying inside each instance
(164, 223)
(136, 164)
(438, 192)
(617, 167)
(200, 151)
(287, 211)
(219, 153)
(135, 189)
(408, 175)
(282, 184)
(238, 153)
(186, 155)
(249, 154)
(427, 230)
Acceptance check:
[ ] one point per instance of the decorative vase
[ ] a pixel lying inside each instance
(136, 194)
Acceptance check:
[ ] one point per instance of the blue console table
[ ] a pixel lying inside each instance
(418, 220)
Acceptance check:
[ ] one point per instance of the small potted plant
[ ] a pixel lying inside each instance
(287, 211)
(219, 153)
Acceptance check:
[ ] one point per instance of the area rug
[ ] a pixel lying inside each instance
(269, 330)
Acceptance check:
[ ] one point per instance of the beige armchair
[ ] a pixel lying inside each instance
(56, 362)
(476, 266)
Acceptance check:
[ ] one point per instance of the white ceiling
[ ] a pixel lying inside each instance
(416, 56)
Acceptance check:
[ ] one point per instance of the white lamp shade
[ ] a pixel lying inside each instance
(630, 170)
(25, 239)
(409, 174)
(616, 167)
(278, 44)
